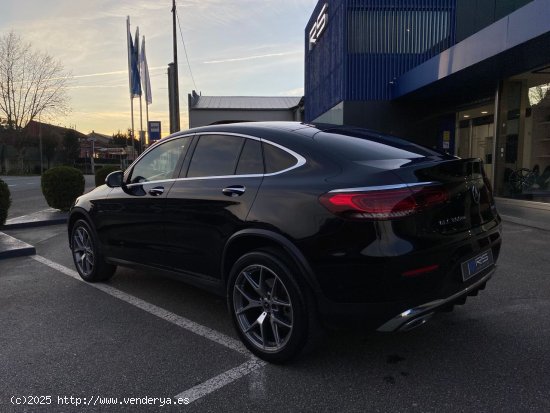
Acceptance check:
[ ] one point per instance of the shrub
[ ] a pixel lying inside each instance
(61, 186)
(102, 173)
(5, 201)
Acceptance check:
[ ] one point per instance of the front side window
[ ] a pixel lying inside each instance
(215, 155)
(160, 163)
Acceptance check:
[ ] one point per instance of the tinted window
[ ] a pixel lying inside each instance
(276, 159)
(251, 160)
(160, 163)
(358, 145)
(215, 155)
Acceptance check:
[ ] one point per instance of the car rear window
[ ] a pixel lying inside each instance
(358, 145)
(277, 160)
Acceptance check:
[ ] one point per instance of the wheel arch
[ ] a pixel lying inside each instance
(75, 215)
(251, 239)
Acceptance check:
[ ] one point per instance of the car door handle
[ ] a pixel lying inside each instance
(235, 190)
(156, 191)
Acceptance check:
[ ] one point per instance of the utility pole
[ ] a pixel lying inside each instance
(175, 82)
(40, 138)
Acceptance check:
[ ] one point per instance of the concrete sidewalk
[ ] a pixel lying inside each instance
(530, 214)
(48, 216)
(12, 247)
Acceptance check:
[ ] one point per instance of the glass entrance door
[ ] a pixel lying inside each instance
(523, 144)
(476, 135)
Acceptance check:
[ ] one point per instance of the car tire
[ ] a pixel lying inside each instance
(273, 312)
(87, 257)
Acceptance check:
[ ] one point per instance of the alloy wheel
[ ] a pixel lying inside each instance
(83, 251)
(263, 308)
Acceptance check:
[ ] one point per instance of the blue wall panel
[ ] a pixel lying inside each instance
(325, 63)
(368, 44)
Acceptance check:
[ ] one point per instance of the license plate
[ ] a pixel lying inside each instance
(477, 264)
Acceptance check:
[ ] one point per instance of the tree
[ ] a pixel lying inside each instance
(71, 147)
(121, 140)
(124, 139)
(32, 85)
(49, 147)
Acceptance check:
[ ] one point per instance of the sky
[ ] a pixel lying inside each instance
(239, 47)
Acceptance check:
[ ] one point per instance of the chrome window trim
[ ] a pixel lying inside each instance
(300, 160)
(186, 135)
(150, 182)
(382, 187)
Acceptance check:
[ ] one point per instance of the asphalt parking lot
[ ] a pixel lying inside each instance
(144, 336)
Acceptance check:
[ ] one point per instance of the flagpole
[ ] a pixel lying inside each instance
(146, 89)
(141, 143)
(128, 40)
(147, 117)
(133, 133)
(138, 51)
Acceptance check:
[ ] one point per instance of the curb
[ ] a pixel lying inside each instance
(32, 224)
(36, 219)
(12, 247)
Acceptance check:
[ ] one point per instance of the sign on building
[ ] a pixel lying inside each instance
(318, 27)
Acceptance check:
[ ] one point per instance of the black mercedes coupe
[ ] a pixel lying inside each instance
(299, 226)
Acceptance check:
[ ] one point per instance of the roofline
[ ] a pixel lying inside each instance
(249, 109)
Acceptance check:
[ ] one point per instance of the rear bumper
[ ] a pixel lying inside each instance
(417, 315)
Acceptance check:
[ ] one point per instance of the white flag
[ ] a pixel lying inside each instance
(145, 80)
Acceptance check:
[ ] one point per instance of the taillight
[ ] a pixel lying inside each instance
(384, 204)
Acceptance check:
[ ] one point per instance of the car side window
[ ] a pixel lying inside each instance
(160, 163)
(215, 155)
(251, 161)
(277, 159)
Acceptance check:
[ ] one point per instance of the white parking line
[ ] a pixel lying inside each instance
(204, 388)
(221, 380)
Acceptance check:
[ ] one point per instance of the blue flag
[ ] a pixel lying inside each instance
(133, 63)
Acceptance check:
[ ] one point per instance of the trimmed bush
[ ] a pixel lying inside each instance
(61, 186)
(5, 201)
(102, 173)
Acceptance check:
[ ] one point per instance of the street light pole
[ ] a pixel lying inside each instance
(92, 164)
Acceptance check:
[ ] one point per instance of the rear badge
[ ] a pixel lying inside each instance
(453, 220)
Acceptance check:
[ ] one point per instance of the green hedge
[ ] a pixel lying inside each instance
(61, 186)
(5, 201)
(102, 173)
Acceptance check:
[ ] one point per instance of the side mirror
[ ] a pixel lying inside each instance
(114, 179)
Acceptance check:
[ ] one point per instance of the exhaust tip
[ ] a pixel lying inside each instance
(417, 322)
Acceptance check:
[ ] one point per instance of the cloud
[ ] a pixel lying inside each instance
(115, 72)
(96, 86)
(241, 59)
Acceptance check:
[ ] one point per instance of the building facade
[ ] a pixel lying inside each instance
(444, 73)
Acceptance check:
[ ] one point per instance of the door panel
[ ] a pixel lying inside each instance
(202, 217)
(130, 223)
(130, 220)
